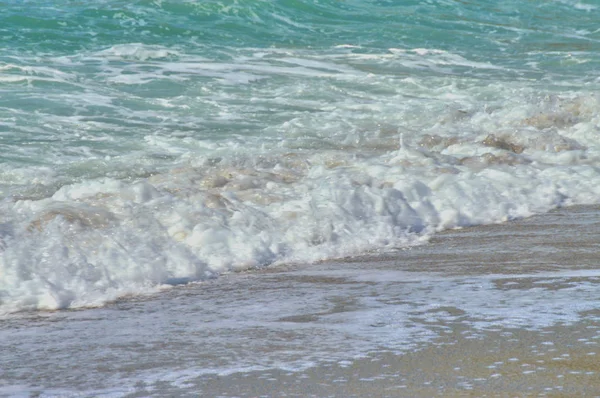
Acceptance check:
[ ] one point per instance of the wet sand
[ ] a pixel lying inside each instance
(556, 361)
(500, 310)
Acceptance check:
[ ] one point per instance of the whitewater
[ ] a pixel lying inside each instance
(148, 145)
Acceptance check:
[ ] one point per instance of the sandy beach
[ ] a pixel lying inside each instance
(500, 310)
(559, 361)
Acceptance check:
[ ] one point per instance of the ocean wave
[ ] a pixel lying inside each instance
(148, 144)
(93, 241)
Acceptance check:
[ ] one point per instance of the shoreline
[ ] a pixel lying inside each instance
(506, 309)
(504, 363)
(559, 360)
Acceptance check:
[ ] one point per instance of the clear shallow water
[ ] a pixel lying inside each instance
(150, 143)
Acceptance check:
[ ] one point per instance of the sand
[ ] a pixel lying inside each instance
(556, 362)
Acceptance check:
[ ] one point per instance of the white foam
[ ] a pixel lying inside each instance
(439, 57)
(584, 6)
(138, 52)
(97, 240)
(323, 178)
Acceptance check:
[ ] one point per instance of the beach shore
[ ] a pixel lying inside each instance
(558, 360)
(500, 310)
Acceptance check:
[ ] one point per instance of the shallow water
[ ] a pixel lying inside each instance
(523, 278)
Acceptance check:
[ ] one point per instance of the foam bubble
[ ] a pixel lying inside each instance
(138, 52)
(143, 192)
(96, 240)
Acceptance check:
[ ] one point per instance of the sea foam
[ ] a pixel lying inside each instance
(337, 162)
(97, 240)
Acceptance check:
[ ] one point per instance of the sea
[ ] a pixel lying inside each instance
(152, 151)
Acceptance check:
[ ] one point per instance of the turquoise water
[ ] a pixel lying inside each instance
(60, 80)
(145, 143)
